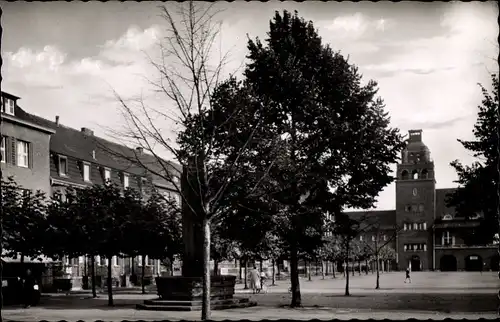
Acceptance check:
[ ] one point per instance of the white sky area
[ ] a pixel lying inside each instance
(64, 58)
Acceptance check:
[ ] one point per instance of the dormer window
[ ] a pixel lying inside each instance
(447, 217)
(8, 106)
(63, 166)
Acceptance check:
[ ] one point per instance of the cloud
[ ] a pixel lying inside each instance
(355, 25)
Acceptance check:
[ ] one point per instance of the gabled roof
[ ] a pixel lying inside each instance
(385, 219)
(75, 143)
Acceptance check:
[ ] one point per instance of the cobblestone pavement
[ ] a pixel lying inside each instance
(431, 295)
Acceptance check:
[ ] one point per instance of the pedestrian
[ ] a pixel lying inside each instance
(28, 286)
(408, 278)
(263, 278)
(255, 280)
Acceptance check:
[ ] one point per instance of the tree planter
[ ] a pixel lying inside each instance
(178, 288)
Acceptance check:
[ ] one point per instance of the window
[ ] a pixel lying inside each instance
(425, 247)
(405, 226)
(22, 154)
(447, 217)
(150, 261)
(81, 259)
(373, 238)
(107, 175)
(360, 238)
(2, 149)
(139, 260)
(178, 199)
(415, 226)
(63, 166)
(86, 172)
(176, 179)
(421, 207)
(447, 239)
(125, 180)
(385, 238)
(115, 260)
(3, 106)
(9, 106)
(407, 208)
(425, 226)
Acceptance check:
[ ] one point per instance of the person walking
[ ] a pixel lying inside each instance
(263, 278)
(255, 280)
(28, 286)
(408, 278)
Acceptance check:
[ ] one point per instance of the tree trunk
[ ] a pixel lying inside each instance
(377, 285)
(309, 270)
(326, 268)
(172, 267)
(246, 274)
(110, 282)
(261, 267)
(366, 266)
(294, 277)
(92, 267)
(205, 308)
(241, 270)
(353, 268)
(279, 270)
(322, 269)
(143, 272)
(333, 270)
(359, 267)
(216, 267)
(274, 272)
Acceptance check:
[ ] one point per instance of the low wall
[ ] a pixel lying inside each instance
(191, 288)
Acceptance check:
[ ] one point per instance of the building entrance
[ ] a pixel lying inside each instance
(448, 263)
(473, 263)
(415, 264)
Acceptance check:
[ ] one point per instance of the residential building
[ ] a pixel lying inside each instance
(429, 235)
(78, 159)
(24, 147)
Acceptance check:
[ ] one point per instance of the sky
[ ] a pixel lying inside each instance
(67, 58)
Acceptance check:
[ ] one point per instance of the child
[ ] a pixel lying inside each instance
(408, 275)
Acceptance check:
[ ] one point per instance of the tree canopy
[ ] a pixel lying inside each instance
(480, 181)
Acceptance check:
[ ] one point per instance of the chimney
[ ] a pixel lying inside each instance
(87, 131)
(57, 120)
(139, 150)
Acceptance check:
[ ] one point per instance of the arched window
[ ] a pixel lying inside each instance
(414, 174)
(404, 175)
(424, 174)
(447, 217)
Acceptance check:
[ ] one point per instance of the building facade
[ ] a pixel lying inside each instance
(24, 148)
(428, 234)
(46, 155)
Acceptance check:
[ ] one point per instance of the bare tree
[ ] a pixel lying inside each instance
(378, 238)
(189, 76)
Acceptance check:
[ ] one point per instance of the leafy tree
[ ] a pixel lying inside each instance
(480, 181)
(156, 225)
(23, 213)
(325, 142)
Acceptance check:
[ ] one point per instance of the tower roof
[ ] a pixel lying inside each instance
(415, 143)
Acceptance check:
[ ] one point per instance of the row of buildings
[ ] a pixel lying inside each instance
(429, 235)
(45, 155)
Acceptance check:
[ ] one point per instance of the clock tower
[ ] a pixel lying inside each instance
(415, 205)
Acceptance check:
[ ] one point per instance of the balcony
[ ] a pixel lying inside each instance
(463, 246)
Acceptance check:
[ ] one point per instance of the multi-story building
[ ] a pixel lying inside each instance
(428, 233)
(47, 155)
(24, 147)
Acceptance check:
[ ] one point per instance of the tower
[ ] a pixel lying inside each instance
(415, 205)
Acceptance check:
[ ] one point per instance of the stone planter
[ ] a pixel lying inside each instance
(190, 288)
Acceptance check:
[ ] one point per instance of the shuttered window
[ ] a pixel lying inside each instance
(23, 154)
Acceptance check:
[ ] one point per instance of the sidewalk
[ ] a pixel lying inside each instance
(256, 313)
